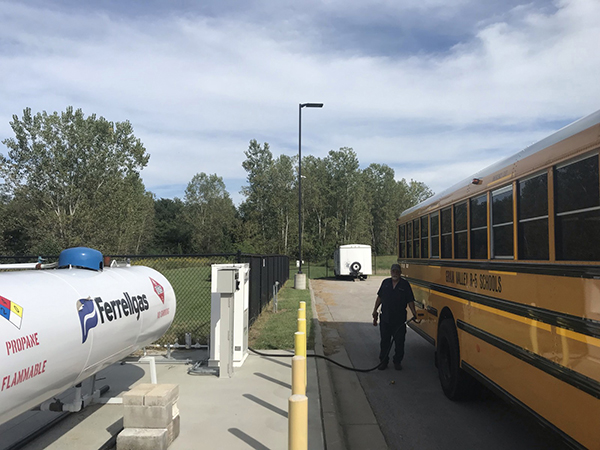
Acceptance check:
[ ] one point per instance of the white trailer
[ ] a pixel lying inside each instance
(353, 260)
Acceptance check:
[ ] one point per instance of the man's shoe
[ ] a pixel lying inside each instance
(382, 366)
(397, 366)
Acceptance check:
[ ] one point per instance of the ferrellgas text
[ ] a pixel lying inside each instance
(115, 309)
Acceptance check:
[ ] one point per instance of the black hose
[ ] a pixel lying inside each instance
(287, 355)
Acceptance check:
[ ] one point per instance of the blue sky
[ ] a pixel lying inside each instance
(437, 90)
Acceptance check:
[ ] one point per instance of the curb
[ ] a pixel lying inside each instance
(333, 434)
(348, 419)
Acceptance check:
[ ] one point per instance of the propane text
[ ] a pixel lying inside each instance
(23, 343)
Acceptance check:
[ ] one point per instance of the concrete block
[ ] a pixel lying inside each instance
(142, 439)
(147, 416)
(173, 429)
(137, 394)
(162, 394)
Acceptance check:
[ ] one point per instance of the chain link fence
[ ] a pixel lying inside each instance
(323, 268)
(190, 277)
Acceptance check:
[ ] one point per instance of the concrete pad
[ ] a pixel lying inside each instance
(248, 410)
(136, 396)
(162, 395)
(173, 429)
(147, 416)
(142, 439)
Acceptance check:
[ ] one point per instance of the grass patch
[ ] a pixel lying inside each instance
(275, 330)
(382, 264)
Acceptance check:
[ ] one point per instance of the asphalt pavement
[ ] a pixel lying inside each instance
(408, 405)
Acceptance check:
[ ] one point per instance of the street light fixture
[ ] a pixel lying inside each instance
(300, 282)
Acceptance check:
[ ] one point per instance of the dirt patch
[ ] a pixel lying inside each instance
(331, 338)
(321, 312)
(323, 294)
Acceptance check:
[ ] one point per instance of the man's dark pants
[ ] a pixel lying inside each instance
(387, 331)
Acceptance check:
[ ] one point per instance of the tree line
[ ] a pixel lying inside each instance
(70, 180)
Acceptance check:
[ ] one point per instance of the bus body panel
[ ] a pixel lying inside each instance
(564, 405)
(568, 408)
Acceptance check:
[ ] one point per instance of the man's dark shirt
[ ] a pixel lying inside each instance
(394, 300)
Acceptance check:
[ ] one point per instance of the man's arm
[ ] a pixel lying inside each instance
(411, 305)
(375, 313)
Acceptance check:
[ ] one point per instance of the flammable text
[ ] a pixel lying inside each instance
(23, 375)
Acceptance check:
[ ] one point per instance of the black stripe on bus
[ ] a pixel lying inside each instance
(513, 400)
(587, 327)
(556, 270)
(421, 333)
(581, 382)
(432, 310)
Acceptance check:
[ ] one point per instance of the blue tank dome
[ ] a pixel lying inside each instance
(83, 257)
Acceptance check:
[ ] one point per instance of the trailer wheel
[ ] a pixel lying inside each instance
(456, 384)
(355, 267)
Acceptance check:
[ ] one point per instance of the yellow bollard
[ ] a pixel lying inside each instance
(300, 344)
(298, 422)
(302, 325)
(298, 371)
(300, 350)
(301, 313)
(303, 305)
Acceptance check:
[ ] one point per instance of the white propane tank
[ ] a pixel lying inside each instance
(60, 326)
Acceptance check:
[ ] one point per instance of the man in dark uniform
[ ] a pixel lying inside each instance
(393, 296)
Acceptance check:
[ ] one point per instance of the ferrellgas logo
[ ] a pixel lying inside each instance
(91, 310)
(158, 289)
(88, 317)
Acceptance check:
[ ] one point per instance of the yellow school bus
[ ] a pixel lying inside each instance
(506, 268)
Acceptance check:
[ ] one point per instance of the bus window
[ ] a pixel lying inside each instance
(533, 217)
(409, 253)
(479, 227)
(460, 230)
(447, 233)
(435, 235)
(502, 223)
(424, 237)
(402, 239)
(416, 240)
(577, 203)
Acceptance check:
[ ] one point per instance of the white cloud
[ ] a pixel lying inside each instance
(197, 89)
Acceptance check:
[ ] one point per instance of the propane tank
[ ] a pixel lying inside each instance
(60, 326)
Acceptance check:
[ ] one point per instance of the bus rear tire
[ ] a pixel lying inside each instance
(456, 384)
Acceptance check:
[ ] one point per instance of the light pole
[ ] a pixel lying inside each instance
(300, 280)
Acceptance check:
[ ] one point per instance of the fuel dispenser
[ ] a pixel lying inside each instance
(229, 302)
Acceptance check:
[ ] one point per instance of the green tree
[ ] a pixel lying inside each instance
(172, 234)
(381, 190)
(283, 199)
(257, 210)
(315, 199)
(346, 198)
(79, 177)
(210, 214)
(411, 194)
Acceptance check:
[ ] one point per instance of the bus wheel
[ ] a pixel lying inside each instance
(456, 384)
